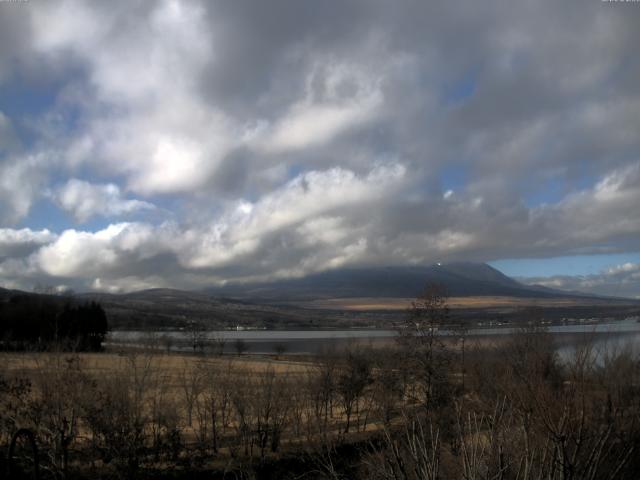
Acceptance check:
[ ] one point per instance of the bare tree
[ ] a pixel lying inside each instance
(353, 377)
(421, 339)
(117, 415)
(321, 387)
(279, 349)
(59, 382)
(164, 417)
(167, 342)
(461, 330)
(191, 385)
(242, 394)
(411, 452)
(271, 406)
(389, 385)
(215, 402)
(219, 343)
(197, 335)
(240, 346)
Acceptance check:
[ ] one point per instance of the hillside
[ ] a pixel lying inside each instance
(169, 308)
(344, 298)
(461, 279)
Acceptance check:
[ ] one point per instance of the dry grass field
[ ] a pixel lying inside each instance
(132, 414)
(178, 380)
(179, 408)
(172, 365)
(386, 303)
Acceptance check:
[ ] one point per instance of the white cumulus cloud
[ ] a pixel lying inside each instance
(85, 200)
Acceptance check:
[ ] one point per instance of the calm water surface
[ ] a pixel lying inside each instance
(620, 334)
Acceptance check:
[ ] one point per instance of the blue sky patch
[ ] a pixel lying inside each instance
(564, 265)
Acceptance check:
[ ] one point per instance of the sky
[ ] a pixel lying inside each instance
(187, 144)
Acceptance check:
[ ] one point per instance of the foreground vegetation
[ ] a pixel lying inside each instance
(422, 409)
(359, 414)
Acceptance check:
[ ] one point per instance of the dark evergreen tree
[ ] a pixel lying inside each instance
(34, 321)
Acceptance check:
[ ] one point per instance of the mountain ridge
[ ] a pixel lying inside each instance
(459, 279)
(301, 302)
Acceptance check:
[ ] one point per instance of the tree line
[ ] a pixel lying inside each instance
(39, 321)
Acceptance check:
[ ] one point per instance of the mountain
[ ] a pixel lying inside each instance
(291, 303)
(461, 279)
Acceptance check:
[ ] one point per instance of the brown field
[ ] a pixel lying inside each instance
(134, 413)
(386, 303)
(171, 365)
(161, 379)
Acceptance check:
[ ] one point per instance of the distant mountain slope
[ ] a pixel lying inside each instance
(460, 279)
(169, 308)
(290, 303)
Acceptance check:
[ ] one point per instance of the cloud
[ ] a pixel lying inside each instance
(242, 231)
(85, 200)
(623, 269)
(20, 243)
(318, 220)
(21, 181)
(282, 138)
(8, 138)
(146, 123)
(281, 225)
(605, 213)
(337, 97)
(618, 280)
(117, 248)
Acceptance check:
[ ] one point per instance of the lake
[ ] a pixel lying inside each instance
(623, 333)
